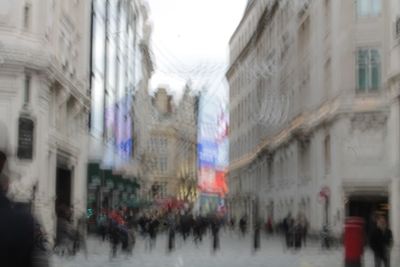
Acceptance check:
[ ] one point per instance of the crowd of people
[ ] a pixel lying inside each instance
(120, 227)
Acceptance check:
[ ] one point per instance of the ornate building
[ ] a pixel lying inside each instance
(314, 111)
(45, 101)
(166, 136)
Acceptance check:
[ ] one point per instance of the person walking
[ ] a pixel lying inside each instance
(18, 231)
(102, 225)
(215, 226)
(257, 233)
(114, 237)
(381, 241)
(287, 226)
(243, 225)
(171, 223)
(153, 228)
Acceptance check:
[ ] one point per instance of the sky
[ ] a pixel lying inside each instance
(190, 40)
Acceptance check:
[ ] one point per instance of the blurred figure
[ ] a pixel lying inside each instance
(257, 233)
(297, 234)
(18, 247)
(232, 223)
(102, 222)
(199, 228)
(381, 241)
(287, 227)
(186, 224)
(243, 225)
(114, 237)
(326, 237)
(303, 224)
(80, 239)
(268, 226)
(171, 224)
(215, 226)
(65, 239)
(152, 231)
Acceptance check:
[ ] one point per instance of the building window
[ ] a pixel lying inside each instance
(367, 8)
(27, 89)
(368, 70)
(27, 16)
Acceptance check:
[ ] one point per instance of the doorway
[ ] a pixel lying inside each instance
(367, 206)
(63, 187)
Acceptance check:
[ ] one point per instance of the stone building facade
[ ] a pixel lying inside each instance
(44, 101)
(166, 145)
(314, 111)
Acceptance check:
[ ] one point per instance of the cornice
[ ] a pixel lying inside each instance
(304, 125)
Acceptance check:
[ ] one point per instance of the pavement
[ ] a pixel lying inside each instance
(234, 252)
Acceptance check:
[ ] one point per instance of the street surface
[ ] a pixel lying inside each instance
(234, 252)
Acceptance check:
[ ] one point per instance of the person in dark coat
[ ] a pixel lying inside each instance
(153, 228)
(287, 226)
(171, 223)
(243, 225)
(215, 226)
(257, 233)
(114, 237)
(381, 241)
(18, 244)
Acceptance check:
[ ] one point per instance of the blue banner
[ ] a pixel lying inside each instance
(208, 152)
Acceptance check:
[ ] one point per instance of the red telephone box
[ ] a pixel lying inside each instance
(353, 241)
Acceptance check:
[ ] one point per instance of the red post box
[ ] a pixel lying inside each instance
(353, 241)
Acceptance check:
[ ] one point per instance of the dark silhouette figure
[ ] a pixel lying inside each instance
(243, 225)
(215, 226)
(20, 241)
(381, 241)
(257, 233)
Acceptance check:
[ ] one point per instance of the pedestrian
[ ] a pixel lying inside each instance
(303, 229)
(297, 235)
(215, 226)
(171, 224)
(66, 235)
(232, 223)
(243, 225)
(102, 225)
(114, 237)
(287, 226)
(152, 231)
(381, 241)
(81, 234)
(18, 245)
(257, 233)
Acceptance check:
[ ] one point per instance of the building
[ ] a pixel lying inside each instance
(314, 111)
(119, 67)
(44, 81)
(166, 135)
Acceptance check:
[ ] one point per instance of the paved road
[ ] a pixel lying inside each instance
(234, 252)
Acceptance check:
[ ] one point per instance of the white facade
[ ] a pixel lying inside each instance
(44, 71)
(313, 105)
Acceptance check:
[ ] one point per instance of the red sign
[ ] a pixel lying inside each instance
(212, 181)
(324, 193)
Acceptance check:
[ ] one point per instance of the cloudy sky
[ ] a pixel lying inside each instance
(190, 40)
